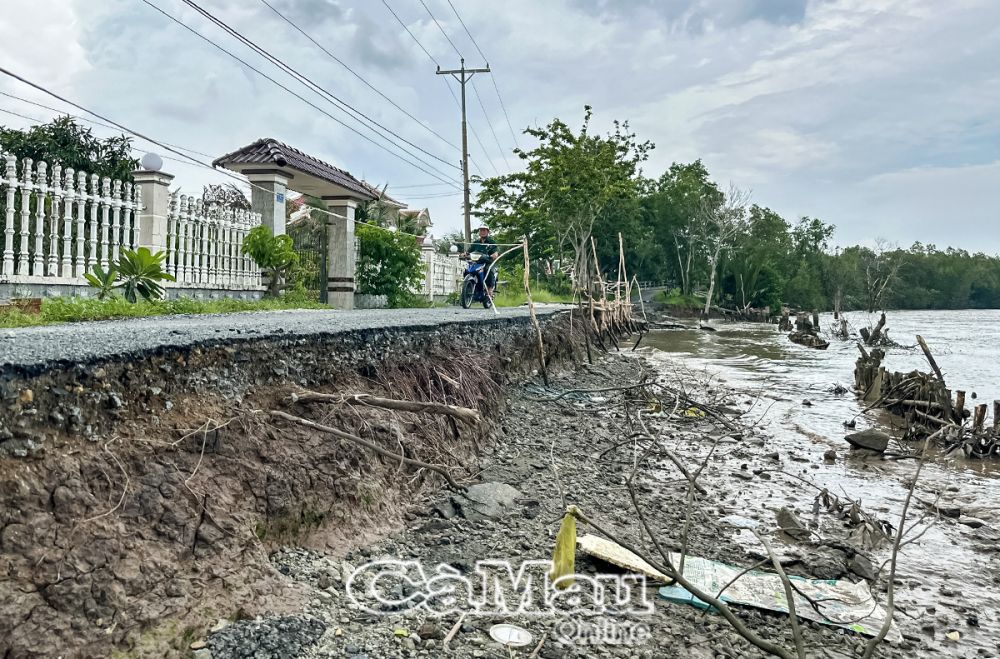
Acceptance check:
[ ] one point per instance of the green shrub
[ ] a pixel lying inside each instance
(273, 254)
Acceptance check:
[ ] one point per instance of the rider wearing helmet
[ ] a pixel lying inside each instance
(488, 246)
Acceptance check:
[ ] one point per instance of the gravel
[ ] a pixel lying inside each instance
(266, 638)
(34, 349)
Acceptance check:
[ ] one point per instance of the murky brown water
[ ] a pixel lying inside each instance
(950, 574)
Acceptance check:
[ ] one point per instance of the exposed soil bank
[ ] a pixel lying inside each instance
(139, 499)
(576, 436)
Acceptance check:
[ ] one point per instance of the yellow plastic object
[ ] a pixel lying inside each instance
(693, 412)
(564, 554)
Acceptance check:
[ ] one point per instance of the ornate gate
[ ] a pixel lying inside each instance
(309, 238)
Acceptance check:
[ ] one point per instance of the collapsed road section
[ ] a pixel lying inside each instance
(148, 467)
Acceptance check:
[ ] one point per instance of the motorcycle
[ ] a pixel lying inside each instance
(474, 282)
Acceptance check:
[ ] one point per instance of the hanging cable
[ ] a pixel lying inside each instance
(163, 145)
(357, 75)
(437, 176)
(493, 76)
(485, 115)
(339, 102)
(444, 79)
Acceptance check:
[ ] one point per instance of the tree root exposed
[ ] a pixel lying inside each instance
(336, 432)
(464, 414)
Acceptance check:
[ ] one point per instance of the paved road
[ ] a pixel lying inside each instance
(35, 348)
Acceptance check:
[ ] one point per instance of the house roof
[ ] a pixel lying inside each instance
(269, 151)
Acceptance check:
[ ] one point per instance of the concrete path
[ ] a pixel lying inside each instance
(35, 348)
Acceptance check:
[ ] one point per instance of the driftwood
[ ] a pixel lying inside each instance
(464, 414)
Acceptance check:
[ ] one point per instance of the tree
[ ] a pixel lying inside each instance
(672, 209)
(880, 267)
(722, 222)
(758, 264)
(569, 181)
(226, 195)
(64, 141)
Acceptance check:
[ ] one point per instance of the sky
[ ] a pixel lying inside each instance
(881, 117)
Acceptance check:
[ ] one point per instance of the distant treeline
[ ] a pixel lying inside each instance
(684, 229)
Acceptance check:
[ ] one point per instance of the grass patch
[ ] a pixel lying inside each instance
(517, 297)
(673, 298)
(71, 310)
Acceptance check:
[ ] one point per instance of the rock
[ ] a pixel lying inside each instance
(197, 645)
(861, 566)
(987, 534)
(488, 500)
(446, 509)
(826, 563)
(790, 524)
(807, 403)
(871, 439)
(745, 475)
(203, 653)
(429, 630)
(972, 522)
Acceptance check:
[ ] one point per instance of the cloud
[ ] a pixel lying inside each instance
(879, 116)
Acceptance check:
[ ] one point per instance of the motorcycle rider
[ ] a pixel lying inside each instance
(487, 246)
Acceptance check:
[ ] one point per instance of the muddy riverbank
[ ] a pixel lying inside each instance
(575, 437)
(142, 493)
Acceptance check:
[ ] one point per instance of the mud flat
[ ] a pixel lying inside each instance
(575, 436)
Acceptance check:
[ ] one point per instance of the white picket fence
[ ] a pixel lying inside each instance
(60, 224)
(203, 245)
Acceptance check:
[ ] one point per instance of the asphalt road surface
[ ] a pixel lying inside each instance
(33, 348)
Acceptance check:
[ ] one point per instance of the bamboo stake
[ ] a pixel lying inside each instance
(531, 311)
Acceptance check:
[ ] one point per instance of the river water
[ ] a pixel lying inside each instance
(947, 579)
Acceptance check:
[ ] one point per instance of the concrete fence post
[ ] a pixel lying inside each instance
(153, 188)
(342, 260)
(268, 198)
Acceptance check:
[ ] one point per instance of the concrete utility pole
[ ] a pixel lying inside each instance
(463, 75)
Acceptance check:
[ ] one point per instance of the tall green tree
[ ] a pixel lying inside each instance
(672, 210)
(570, 179)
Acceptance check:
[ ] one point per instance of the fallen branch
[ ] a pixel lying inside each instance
(464, 414)
(369, 445)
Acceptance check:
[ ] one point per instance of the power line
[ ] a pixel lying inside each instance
(357, 75)
(446, 83)
(163, 145)
(296, 95)
(503, 152)
(91, 121)
(493, 77)
(454, 47)
(485, 115)
(414, 185)
(343, 105)
(39, 122)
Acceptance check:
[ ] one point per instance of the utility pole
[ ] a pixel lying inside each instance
(463, 75)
